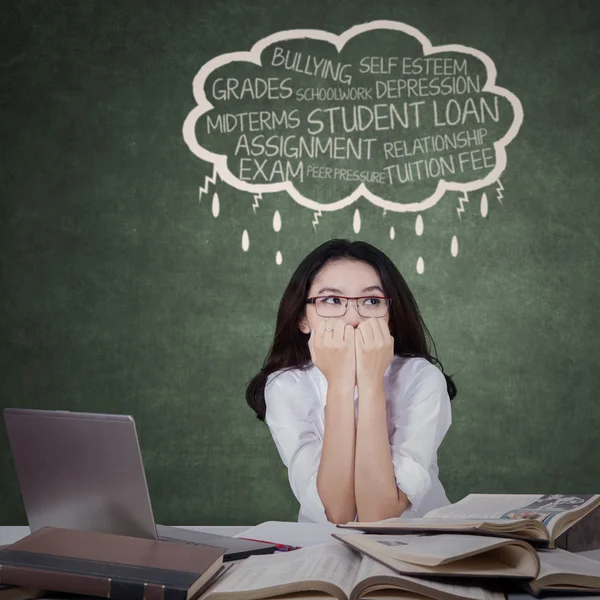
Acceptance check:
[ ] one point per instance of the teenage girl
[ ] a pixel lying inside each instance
(355, 402)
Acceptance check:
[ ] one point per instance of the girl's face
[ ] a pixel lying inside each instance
(343, 277)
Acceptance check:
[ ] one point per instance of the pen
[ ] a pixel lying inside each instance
(280, 547)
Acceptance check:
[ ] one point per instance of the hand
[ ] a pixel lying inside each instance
(374, 348)
(332, 352)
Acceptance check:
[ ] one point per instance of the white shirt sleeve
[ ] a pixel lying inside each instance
(419, 416)
(291, 402)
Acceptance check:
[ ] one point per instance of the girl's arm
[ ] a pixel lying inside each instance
(393, 474)
(335, 479)
(331, 347)
(291, 404)
(377, 494)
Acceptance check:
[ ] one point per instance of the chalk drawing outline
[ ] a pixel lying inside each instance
(362, 191)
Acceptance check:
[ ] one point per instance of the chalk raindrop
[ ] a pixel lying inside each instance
(215, 205)
(484, 205)
(356, 223)
(454, 246)
(277, 221)
(419, 225)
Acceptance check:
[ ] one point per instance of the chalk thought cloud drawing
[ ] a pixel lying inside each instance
(376, 112)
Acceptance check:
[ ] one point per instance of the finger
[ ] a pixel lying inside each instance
(349, 334)
(386, 334)
(359, 341)
(387, 325)
(311, 345)
(320, 330)
(366, 328)
(327, 331)
(359, 347)
(360, 334)
(317, 336)
(378, 337)
(338, 330)
(384, 327)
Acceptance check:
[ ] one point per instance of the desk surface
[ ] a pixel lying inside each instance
(10, 534)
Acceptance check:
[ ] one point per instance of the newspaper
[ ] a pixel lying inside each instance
(546, 508)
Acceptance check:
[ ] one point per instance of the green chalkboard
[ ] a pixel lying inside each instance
(167, 165)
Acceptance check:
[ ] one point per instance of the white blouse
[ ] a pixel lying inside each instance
(418, 417)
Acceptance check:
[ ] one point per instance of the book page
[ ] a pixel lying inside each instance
(555, 596)
(483, 506)
(567, 510)
(490, 564)
(372, 573)
(414, 524)
(291, 533)
(560, 561)
(439, 549)
(548, 509)
(332, 563)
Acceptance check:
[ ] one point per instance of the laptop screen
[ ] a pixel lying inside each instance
(80, 471)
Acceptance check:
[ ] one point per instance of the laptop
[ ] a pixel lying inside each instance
(85, 471)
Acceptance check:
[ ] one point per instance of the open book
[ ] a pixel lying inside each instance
(562, 571)
(330, 570)
(449, 555)
(477, 556)
(539, 519)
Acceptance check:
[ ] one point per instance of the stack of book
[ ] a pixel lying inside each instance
(480, 548)
(105, 565)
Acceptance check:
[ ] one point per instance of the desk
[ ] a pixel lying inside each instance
(10, 534)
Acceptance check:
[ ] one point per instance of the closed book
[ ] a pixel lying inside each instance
(109, 566)
(11, 592)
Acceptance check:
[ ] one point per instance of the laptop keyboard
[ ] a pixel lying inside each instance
(165, 538)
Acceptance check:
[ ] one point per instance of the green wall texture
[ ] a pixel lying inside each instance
(126, 286)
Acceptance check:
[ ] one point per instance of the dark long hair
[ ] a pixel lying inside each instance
(289, 349)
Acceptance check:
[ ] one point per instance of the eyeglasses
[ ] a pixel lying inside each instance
(337, 306)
